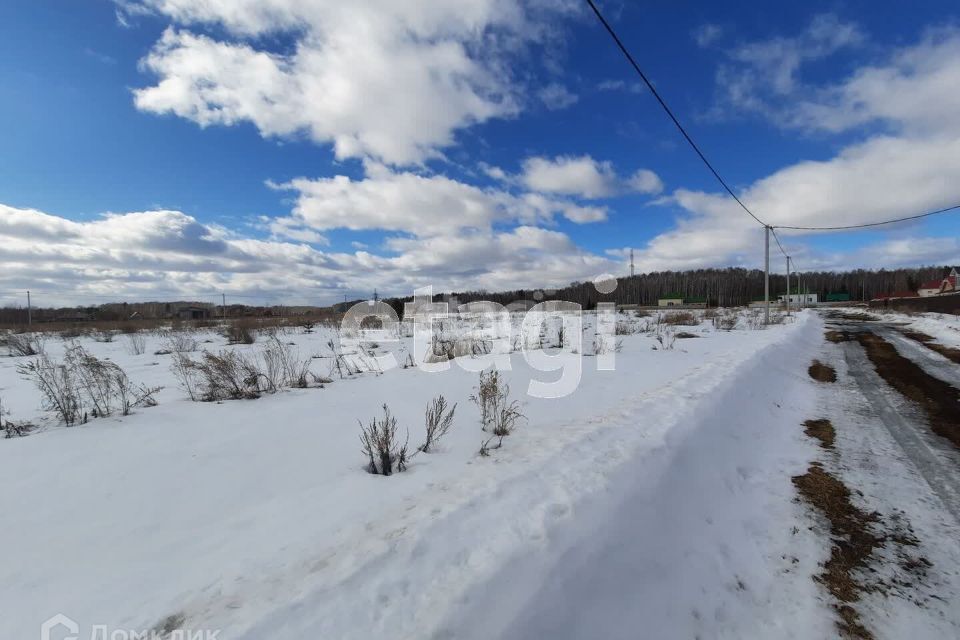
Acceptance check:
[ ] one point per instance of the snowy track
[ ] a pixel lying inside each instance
(934, 458)
(692, 541)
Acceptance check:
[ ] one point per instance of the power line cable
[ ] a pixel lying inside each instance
(710, 166)
(669, 111)
(871, 224)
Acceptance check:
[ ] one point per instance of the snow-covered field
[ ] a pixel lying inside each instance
(258, 518)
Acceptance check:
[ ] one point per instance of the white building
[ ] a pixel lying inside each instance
(800, 298)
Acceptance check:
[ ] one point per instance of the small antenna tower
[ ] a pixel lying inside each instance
(631, 263)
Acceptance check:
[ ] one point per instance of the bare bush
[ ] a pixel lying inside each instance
(187, 373)
(499, 414)
(685, 318)
(340, 364)
(179, 342)
(58, 391)
(13, 429)
(230, 375)
(381, 446)
(666, 339)
(136, 344)
(84, 384)
(24, 344)
(227, 375)
(623, 328)
(240, 332)
(726, 322)
(438, 421)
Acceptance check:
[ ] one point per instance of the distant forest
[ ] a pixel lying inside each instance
(721, 287)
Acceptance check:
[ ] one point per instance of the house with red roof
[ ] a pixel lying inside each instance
(947, 284)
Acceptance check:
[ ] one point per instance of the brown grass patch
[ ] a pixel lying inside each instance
(836, 336)
(853, 544)
(681, 318)
(930, 343)
(822, 372)
(938, 399)
(822, 430)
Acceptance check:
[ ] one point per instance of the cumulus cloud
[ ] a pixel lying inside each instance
(168, 254)
(393, 81)
(909, 168)
(421, 205)
(915, 91)
(585, 177)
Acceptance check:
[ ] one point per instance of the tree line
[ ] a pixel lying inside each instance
(720, 287)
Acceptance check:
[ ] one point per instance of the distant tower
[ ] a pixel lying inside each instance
(631, 263)
(376, 298)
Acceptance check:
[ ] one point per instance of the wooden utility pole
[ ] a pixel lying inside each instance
(29, 311)
(788, 285)
(766, 276)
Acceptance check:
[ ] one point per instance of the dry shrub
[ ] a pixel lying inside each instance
(136, 344)
(685, 318)
(227, 375)
(13, 429)
(499, 414)
(623, 328)
(179, 342)
(725, 322)
(83, 384)
(240, 332)
(230, 375)
(438, 421)
(24, 344)
(381, 446)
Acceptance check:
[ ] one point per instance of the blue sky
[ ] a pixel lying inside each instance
(297, 152)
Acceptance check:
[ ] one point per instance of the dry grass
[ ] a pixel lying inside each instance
(928, 341)
(822, 430)
(822, 372)
(937, 398)
(853, 544)
(685, 318)
(836, 336)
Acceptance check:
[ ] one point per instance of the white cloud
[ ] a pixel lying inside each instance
(555, 96)
(392, 81)
(762, 75)
(583, 176)
(882, 178)
(168, 254)
(915, 91)
(909, 169)
(706, 34)
(422, 205)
